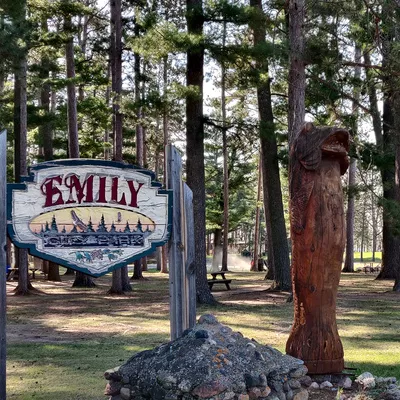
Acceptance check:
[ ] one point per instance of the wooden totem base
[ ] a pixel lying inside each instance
(318, 236)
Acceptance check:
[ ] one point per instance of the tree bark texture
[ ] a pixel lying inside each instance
(297, 71)
(20, 161)
(165, 123)
(349, 259)
(73, 141)
(254, 266)
(224, 263)
(396, 108)
(46, 131)
(217, 253)
(120, 279)
(271, 178)
(390, 242)
(318, 159)
(81, 279)
(116, 71)
(195, 147)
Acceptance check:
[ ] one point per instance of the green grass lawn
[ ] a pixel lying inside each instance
(61, 342)
(367, 257)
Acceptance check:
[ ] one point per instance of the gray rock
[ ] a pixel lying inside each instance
(366, 380)
(326, 385)
(289, 395)
(294, 384)
(113, 388)
(385, 381)
(125, 393)
(299, 372)
(302, 395)
(391, 394)
(305, 381)
(201, 334)
(322, 378)
(345, 383)
(184, 386)
(314, 385)
(208, 319)
(113, 374)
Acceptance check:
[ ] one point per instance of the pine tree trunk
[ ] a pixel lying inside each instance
(374, 223)
(81, 279)
(224, 264)
(138, 265)
(120, 277)
(217, 254)
(53, 272)
(195, 148)
(271, 178)
(46, 131)
(73, 141)
(390, 243)
(164, 252)
(20, 159)
(144, 150)
(297, 75)
(396, 129)
(116, 286)
(363, 233)
(254, 266)
(349, 260)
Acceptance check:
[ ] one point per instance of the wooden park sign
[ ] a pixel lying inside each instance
(96, 216)
(318, 159)
(90, 215)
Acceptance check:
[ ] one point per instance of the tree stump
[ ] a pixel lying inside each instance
(318, 159)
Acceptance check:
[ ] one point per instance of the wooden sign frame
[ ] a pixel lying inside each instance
(89, 187)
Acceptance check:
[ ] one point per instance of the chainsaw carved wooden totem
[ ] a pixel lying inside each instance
(318, 158)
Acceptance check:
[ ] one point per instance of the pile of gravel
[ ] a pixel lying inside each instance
(209, 361)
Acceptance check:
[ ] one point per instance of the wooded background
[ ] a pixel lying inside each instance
(228, 82)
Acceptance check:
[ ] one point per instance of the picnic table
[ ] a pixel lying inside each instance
(215, 280)
(12, 273)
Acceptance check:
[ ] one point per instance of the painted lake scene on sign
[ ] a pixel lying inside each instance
(90, 215)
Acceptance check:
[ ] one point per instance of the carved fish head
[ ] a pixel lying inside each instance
(314, 143)
(336, 145)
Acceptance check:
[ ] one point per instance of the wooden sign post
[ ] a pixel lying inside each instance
(318, 159)
(182, 278)
(3, 261)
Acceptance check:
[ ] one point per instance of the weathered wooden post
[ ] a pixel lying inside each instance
(182, 290)
(3, 261)
(318, 158)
